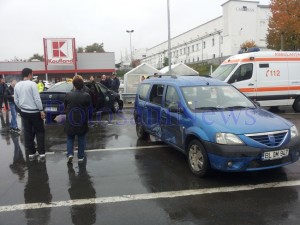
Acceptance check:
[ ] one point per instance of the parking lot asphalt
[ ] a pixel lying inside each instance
(129, 181)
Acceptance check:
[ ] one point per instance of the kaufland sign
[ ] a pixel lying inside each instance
(59, 51)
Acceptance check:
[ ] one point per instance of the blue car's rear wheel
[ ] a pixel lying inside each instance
(141, 133)
(198, 159)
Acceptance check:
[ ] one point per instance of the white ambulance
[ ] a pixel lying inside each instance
(272, 78)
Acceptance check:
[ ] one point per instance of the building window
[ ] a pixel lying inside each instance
(193, 48)
(214, 56)
(180, 51)
(213, 42)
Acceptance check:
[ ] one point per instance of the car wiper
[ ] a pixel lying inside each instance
(208, 108)
(238, 107)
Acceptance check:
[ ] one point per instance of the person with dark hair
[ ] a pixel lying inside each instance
(9, 95)
(92, 79)
(3, 87)
(76, 106)
(28, 100)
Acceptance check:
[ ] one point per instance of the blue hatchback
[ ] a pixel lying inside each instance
(214, 124)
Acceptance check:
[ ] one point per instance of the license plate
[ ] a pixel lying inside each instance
(275, 154)
(50, 109)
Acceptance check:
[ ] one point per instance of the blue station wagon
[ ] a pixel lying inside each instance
(214, 124)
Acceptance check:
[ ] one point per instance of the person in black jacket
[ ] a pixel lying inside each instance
(9, 95)
(3, 87)
(76, 105)
(115, 83)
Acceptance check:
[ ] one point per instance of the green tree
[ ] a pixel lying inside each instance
(166, 61)
(36, 57)
(284, 25)
(94, 48)
(80, 49)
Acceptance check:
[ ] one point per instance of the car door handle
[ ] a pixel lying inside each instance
(250, 84)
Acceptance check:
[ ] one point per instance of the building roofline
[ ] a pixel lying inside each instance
(239, 1)
(186, 32)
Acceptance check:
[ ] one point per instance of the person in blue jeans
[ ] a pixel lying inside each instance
(9, 95)
(76, 104)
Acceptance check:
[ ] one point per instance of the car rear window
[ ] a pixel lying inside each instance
(61, 87)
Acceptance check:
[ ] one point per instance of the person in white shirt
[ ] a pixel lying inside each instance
(28, 100)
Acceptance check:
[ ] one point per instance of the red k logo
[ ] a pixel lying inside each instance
(59, 49)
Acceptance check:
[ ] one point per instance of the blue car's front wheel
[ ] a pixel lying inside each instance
(198, 159)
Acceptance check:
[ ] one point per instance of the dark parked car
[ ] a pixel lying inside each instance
(103, 99)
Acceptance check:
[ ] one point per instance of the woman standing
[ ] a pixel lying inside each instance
(76, 105)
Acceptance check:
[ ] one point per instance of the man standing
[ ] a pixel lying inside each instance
(3, 87)
(28, 100)
(77, 103)
(115, 83)
(9, 95)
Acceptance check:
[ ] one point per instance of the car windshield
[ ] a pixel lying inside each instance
(215, 98)
(61, 87)
(223, 71)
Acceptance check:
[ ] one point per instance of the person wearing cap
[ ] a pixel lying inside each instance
(40, 86)
(115, 83)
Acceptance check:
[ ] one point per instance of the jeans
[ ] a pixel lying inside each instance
(34, 126)
(81, 145)
(13, 122)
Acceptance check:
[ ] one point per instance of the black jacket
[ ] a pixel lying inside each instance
(115, 84)
(76, 106)
(106, 83)
(9, 94)
(3, 87)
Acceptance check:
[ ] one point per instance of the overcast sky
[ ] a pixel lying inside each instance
(24, 23)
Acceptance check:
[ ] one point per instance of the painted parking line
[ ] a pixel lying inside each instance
(126, 148)
(147, 196)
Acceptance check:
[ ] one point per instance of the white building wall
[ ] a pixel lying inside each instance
(241, 21)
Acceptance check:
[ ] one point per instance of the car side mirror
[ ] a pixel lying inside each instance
(174, 107)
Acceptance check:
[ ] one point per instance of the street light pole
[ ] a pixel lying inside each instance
(130, 32)
(169, 37)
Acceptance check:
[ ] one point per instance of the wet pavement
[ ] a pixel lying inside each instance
(128, 181)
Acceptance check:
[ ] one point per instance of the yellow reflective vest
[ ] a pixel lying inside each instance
(40, 86)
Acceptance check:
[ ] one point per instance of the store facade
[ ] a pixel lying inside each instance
(88, 64)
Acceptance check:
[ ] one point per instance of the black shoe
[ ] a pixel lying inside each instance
(16, 130)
